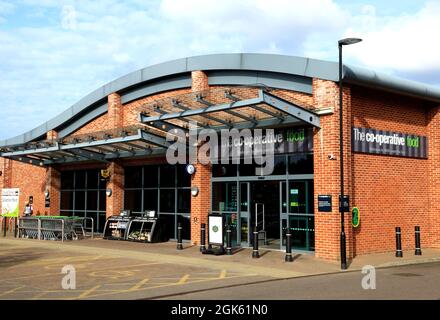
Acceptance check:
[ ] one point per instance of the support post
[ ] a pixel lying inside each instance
(255, 252)
(179, 237)
(399, 253)
(228, 240)
(418, 251)
(202, 237)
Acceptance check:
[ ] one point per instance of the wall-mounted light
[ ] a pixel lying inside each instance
(194, 191)
(108, 192)
(46, 193)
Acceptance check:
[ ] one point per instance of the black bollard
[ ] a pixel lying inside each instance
(228, 240)
(4, 226)
(179, 237)
(255, 253)
(288, 257)
(202, 237)
(15, 227)
(418, 251)
(399, 252)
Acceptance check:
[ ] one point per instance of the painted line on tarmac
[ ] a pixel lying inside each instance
(11, 291)
(88, 292)
(140, 284)
(183, 280)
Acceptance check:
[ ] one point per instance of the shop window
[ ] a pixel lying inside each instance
(224, 170)
(80, 179)
(183, 178)
(102, 200)
(67, 179)
(151, 177)
(301, 163)
(150, 200)
(167, 200)
(167, 176)
(279, 165)
(224, 196)
(92, 179)
(66, 200)
(133, 177)
(186, 226)
(92, 200)
(133, 200)
(183, 200)
(169, 224)
(80, 200)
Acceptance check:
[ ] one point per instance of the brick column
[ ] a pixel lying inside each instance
(115, 114)
(327, 173)
(434, 177)
(201, 204)
(52, 135)
(114, 203)
(199, 81)
(53, 185)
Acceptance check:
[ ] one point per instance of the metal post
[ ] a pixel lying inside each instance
(202, 237)
(255, 253)
(4, 226)
(288, 257)
(399, 252)
(15, 227)
(228, 240)
(418, 251)
(341, 163)
(179, 236)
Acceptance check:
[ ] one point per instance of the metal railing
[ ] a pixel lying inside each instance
(48, 228)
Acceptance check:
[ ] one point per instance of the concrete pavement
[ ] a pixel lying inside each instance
(31, 269)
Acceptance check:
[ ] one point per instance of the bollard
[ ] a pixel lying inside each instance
(202, 237)
(418, 251)
(255, 253)
(228, 240)
(4, 226)
(288, 257)
(399, 252)
(179, 237)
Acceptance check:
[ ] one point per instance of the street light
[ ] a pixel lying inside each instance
(343, 42)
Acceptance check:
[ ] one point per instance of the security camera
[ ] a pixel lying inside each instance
(331, 157)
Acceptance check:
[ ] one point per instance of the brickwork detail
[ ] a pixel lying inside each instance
(434, 175)
(114, 203)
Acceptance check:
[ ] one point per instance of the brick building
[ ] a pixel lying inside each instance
(391, 156)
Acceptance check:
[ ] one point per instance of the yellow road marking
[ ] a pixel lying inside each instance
(38, 296)
(222, 274)
(88, 292)
(184, 279)
(11, 291)
(139, 284)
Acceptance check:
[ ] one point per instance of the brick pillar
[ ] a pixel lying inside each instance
(201, 204)
(327, 173)
(6, 169)
(199, 81)
(52, 135)
(434, 177)
(114, 203)
(115, 114)
(53, 185)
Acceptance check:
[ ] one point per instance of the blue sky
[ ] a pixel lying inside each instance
(52, 53)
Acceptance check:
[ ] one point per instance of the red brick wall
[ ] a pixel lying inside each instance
(115, 203)
(327, 172)
(434, 176)
(389, 191)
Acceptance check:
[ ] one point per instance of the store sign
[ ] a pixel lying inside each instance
(324, 203)
(10, 202)
(215, 223)
(389, 143)
(290, 140)
(344, 205)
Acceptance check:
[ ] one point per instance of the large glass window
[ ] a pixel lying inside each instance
(224, 196)
(165, 189)
(83, 195)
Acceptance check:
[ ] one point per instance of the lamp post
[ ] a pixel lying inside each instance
(343, 42)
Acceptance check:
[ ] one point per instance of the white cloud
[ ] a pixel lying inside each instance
(85, 44)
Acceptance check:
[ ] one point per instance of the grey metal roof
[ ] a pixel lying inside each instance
(170, 75)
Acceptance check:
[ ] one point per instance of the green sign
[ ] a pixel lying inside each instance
(355, 217)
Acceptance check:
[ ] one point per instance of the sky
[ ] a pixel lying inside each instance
(53, 53)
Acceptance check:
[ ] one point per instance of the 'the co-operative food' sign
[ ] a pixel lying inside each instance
(389, 143)
(10, 200)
